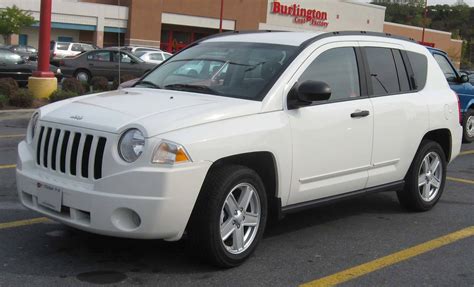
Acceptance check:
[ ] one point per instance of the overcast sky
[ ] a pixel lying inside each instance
(434, 2)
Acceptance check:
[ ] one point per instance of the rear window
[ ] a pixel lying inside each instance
(419, 65)
(62, 46)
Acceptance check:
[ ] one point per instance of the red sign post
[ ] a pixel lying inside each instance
(44, 39)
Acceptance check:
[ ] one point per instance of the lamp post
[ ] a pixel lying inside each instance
(222, 15)
(43, 83)
(424, 21)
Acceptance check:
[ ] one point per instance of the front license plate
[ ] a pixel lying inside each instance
(50, 196)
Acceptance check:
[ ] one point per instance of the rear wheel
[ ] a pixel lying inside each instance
(82, 75)
(468, 126)
(230, 216)
(424, 182)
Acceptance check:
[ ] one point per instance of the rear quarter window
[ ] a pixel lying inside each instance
(419, 65)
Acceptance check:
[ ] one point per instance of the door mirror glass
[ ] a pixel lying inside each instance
(464, 78)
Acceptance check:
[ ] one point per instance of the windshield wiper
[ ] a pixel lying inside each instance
(192, 88)
(147, 83)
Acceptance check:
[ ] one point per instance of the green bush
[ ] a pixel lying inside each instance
(123, 78)
(60, 95)
(3, 101)
(22, 98)
(73, 85)
(8, 86)
(99, 84)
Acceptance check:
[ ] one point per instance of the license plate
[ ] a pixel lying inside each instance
(50, 196)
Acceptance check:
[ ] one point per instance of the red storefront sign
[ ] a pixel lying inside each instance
(301, 15)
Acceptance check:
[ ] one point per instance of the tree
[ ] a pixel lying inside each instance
(12, 19)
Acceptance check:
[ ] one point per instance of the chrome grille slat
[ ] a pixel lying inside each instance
(70, 151)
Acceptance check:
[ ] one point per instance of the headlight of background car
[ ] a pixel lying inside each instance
(32, 127)
(131, 145)
(170, 153)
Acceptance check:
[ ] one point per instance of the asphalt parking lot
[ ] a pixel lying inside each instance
(368, 241)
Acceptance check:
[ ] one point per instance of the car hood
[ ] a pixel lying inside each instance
(155, 111)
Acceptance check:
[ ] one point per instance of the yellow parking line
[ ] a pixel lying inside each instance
(391, 259)
(11, 136)
(467, 152)
(19, 223)
(462, 180)
(3, 166)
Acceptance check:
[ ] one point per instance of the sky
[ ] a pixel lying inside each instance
(434, 2)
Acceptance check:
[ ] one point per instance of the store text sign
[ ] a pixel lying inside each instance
(301, 15)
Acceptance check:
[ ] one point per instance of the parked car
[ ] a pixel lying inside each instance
(136, 49)
(299, 119)
(155, 57)
(27, 52)
(105, 63)
(461, 85)
(14, 66)
(61, 50)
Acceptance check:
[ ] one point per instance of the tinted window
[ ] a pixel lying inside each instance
(76, 48)
(156, 57)
(338, 68)
(401, 71)
(446, 67)
(87, 47)
(62, 46)
(419, 65)
(383, 73)
(103, 56)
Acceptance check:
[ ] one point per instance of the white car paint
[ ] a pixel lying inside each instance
(155, 57)
(319, 151)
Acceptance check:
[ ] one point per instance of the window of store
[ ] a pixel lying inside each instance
(65, 39)
(23, 39)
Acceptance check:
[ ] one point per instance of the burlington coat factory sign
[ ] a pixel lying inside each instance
(301, 15)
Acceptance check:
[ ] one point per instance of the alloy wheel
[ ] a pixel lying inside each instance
(430, 176)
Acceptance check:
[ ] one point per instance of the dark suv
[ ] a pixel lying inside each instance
(465, 90)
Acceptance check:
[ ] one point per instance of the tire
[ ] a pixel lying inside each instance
(468, 126)
(213, 211)
(425, 180)
(82, 75)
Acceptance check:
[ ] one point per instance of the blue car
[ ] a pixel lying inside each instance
(460, 84)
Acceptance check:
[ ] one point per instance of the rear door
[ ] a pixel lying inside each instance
(400, 113)
(100, 63)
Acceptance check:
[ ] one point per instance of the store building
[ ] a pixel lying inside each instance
(173, 24)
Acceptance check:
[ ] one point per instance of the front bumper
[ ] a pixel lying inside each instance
(148, 202)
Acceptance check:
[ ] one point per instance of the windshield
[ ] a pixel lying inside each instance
(237, 70)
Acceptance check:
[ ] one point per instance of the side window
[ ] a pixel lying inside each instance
(62, 46)
(401, 71)
(76, 48)
(419, 65)
(446, 67)
(383, 72)
(156, 56)
(338, 68)
(103, 56)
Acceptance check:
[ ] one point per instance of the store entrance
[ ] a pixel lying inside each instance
(175, 38)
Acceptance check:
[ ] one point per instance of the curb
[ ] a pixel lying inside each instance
(17, 111)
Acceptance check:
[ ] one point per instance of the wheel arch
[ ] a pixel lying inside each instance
(443, 137)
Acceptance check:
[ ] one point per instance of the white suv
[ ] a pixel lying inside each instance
(239, 127)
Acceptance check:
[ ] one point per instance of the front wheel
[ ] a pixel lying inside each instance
(229, 217)
(468, 126)
(424, 182)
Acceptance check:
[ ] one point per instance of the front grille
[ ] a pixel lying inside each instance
(71, 152)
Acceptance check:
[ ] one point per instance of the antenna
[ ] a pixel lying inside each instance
(118, 45)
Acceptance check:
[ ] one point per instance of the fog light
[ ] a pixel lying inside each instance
(126, 219)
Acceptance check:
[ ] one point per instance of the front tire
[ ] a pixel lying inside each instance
(425, 180)
(229, 217)
(468, 126)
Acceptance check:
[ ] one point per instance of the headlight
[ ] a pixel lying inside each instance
(170, 153)
(131, 145)
(32, 126)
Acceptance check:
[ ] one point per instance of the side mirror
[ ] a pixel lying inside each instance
(308, 92)
(464, 78)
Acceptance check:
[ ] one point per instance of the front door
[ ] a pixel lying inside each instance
(332, 140)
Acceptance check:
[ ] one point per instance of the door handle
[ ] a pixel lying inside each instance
(360, 114)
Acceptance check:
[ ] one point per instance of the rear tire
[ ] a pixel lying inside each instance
(468, 126)
(229, 217)
(82, 75)
(425, 180)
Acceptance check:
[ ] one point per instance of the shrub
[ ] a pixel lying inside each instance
(8, 86)
(3, 101)
(73, 85)
(123, 78)
(99, 84)
(60, 95)
(22, 98)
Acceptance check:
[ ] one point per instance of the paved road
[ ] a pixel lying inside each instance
(301, 248)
